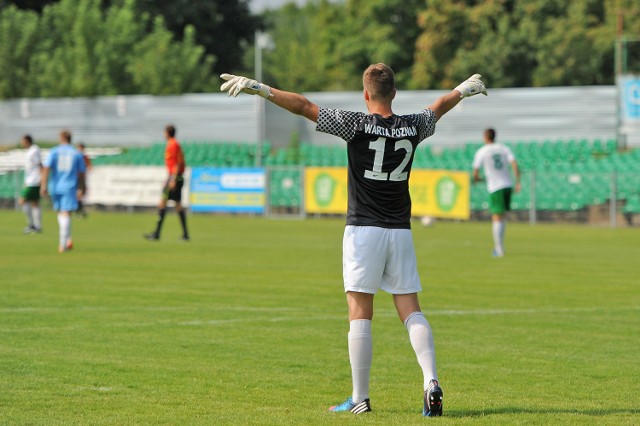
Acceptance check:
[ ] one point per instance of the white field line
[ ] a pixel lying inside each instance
(49, 309)
(33, 309)
(386, 312)
(284, 310)
(442, 312)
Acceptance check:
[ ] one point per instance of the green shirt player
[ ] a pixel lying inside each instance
(495, 159)
(30, 196)
(377, 250)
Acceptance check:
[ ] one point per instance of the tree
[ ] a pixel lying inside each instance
(162, 66)
(67, 60)
(224, 27)
(371, 31)
(106, 47)
(326, 45)
(444, 28)
(80, 48)
(499, 42)
(519, 43)
(35, 5)
(565, 53)
(19, 35)
(296, 63)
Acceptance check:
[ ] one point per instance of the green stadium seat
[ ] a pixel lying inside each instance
(632, 205)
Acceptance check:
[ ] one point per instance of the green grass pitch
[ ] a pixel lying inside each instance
(247, 324)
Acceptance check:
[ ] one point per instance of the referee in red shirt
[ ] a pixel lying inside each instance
(174, 159)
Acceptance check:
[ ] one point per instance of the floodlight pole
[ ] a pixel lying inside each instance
(261, 41)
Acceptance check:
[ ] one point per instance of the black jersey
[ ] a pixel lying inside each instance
(380, 152)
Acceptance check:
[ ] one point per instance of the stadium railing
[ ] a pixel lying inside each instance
(570, 176)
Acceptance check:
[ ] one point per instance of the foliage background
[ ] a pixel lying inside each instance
(106, 47)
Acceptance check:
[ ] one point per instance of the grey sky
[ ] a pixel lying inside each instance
(260, 5)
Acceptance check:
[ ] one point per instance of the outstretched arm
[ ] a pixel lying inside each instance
(471, 86)
(292, 102)
(295, 103)
(445, 103)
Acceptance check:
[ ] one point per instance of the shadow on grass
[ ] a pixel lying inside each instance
(521, 410)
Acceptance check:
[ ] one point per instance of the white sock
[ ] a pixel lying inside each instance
(498, 228)
(64, 221)
(421, 339)
(360, 356)
(26, 208)
(36, 214)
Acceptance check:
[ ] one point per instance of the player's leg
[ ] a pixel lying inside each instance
(36, 215)
(81, 211)
(68, 203)
(177, 197)
(26, 209)
(64, 221)
(497, 229)
(421, 338)
(64, 224)
(360, 343)
(402, 280)
(162, 210)
(360, 352)
(183, 221)
(420, 333)
(363, 257)
(500, 201)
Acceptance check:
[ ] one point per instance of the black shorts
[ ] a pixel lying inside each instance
(174, 194)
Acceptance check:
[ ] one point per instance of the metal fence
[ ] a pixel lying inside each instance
(594, 198)
(602, 199)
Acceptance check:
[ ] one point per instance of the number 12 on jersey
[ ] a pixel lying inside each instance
(399, 174)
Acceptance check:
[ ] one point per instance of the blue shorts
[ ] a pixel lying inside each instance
(67, 202)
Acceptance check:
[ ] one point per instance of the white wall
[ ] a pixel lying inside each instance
(516, 114)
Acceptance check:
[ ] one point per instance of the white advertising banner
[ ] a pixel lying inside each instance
(629, 89)
(129, 185)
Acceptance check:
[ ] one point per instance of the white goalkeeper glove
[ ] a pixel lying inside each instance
(471, 86)
(236, 84)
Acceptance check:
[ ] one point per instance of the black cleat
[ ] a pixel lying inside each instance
(432, 400)
(32, 230)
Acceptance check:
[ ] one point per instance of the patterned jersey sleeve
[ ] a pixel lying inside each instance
(340, 123)
(426, 123)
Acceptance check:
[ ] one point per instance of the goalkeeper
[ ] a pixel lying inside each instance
(377, 249)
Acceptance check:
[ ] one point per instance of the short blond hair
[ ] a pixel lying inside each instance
(379, 81)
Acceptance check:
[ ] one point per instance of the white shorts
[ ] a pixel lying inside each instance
(379, 258)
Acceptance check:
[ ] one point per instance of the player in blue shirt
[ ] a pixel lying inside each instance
(63, 179)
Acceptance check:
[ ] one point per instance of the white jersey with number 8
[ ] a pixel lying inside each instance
(495, 160)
